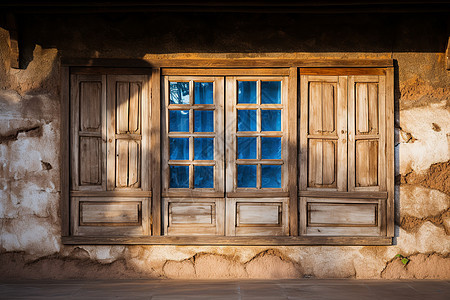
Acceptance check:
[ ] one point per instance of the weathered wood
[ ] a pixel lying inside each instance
(231, 241)
(265, 193)
(326, 214)
(117, 193)
(236, 62)
(155, 150)
(293, 99)
(64, 155)
(88, 132)
(225, 72)
(340, 194)
(194, 217)
(105, 217)
(110, 213)
(82, 70)
(390, 151)
(342, 71)
(257, 217)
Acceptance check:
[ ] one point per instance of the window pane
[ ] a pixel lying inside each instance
(246, 120)
(179, 121)
(270, 92)
(204, 148)
(270, 176)
(270, 148)
(203, 93)
(203, 121)
(270, 120)
(203, 177)
(179, 93)
(179, 148)
(246, 176)
(179, 177)
(246, 147)
(246, 91)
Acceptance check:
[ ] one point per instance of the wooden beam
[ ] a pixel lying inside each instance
(211, 62)
(13, 40)
(234, 241)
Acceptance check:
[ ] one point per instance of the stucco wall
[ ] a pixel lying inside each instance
(30, 244)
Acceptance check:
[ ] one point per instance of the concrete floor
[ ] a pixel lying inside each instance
(230, 289)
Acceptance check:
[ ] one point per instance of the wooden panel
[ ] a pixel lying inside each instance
(322, 163)
(188, 213)
(366, 108)
(366, 167)
(90, 165)
(257, 217)
(259, 214)
(339, 194)
(107, 216)
(134, 108)
(88, 132)
(128, 163)
(122, 105)
(91, 106)
(327, 214)
(117, 193)
(110, 213)
(194, 216)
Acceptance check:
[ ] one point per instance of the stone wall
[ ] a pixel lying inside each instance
(30, 244)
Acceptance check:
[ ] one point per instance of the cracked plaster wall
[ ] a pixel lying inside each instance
(30, 245)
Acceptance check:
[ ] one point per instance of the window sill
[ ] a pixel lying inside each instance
(229, 241)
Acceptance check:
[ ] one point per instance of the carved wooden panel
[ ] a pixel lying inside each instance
(91, 158)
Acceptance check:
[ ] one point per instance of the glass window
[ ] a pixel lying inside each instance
(203, 93)
(179, 93)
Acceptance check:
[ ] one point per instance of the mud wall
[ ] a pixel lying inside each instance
(30, 244)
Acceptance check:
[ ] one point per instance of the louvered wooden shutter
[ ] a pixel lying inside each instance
(110, 155)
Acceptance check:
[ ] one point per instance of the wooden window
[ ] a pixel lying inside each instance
(215, 156)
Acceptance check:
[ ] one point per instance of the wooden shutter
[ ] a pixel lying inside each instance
(110, 155)
(342, 155)
(88, 116)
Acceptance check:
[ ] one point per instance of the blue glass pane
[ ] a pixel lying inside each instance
(246, 120)
(203, 93)
(203, 121)
(179, 93)
(270, 92)
(179, 148)
(203, 177)
(270, 176)
(204, 148)
(246, 176)
(246, 147)
(270, 148)
(179, 121)
(246, 91)
(179, 177)
(270, 120)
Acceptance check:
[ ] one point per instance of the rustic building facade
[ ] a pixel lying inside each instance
(225, 141)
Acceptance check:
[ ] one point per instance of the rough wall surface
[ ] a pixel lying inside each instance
(30, 245)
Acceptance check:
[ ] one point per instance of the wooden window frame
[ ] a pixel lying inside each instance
(292, 68)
